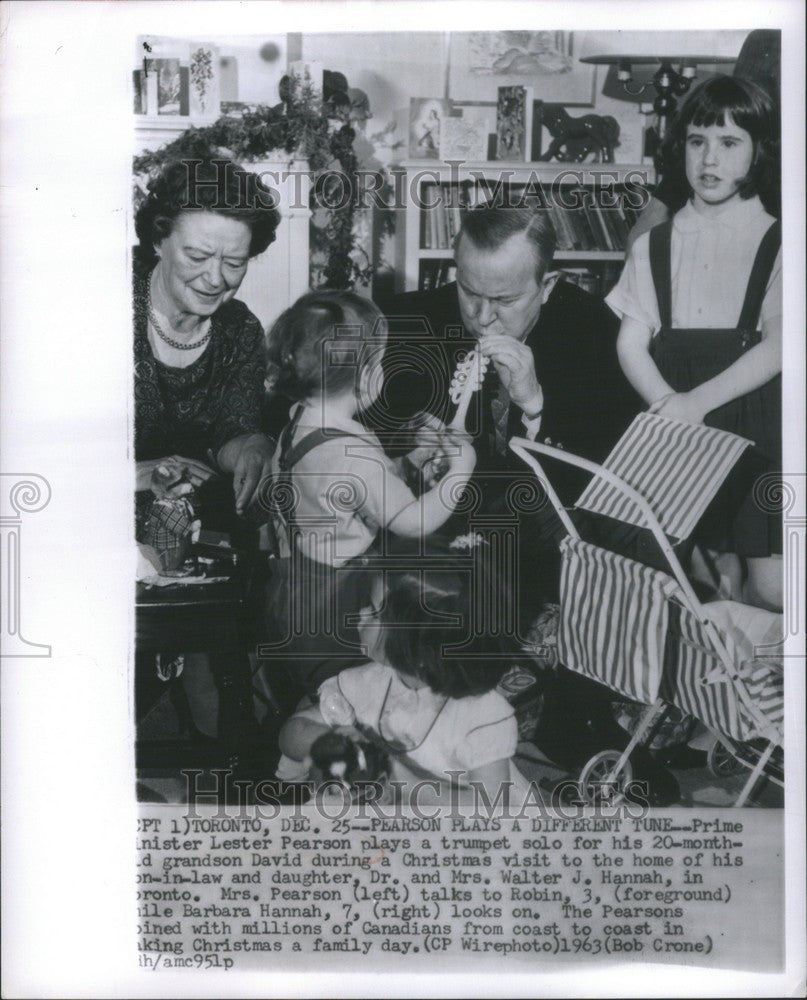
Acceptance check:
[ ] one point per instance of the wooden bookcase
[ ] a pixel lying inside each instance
(591, 239)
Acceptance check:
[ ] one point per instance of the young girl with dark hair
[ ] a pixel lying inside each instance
(700, 300)
(334, 488)
(428, 697)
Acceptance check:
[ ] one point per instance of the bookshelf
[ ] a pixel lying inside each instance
(593, 207)
(279, 276)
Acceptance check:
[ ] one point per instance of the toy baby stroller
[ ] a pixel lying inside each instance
(641, 630)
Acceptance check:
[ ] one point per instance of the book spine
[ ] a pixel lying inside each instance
(620, 226)
(584, 239)
(184, 90)
(440, 220)
(593, 236)
(606, 241)
(562, 228)
(426, 217)
(612, 223)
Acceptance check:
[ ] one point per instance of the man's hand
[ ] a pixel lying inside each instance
(516, 367)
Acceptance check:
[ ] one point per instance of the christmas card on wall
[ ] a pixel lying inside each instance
(169, 86)
(513, 123)
(204, 81)
(427, 116)
(466, 132)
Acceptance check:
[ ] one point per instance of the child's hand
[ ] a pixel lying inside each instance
(679, 406)
(460, 451)
(429, 455)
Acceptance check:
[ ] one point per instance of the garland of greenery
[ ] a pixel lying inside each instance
(306, 127)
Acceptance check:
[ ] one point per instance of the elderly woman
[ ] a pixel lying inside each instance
(198, 351)
(199, 371)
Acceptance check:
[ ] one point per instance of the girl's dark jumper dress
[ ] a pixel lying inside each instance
(744, 517)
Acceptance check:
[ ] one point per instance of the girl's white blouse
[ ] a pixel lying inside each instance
(711, 261)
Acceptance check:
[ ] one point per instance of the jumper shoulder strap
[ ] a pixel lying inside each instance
(291, 455)
(661, 268)
(760, 276)
(317, 437)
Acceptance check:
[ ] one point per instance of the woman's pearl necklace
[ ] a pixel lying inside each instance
(178, 344)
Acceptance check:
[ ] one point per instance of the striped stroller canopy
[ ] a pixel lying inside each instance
(677, 467)
(627, 626)
(614, 619)
(697, 682)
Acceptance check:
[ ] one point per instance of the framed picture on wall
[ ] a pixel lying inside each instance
(472, 134)
(426, 117)
(482, 61)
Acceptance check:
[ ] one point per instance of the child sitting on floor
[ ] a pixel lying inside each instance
(428, 697)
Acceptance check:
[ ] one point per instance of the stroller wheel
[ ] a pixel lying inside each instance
(594, 788)
(722, 761)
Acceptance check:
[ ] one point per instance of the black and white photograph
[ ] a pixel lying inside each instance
(411, 580)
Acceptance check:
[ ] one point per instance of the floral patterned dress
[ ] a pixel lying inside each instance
(188, 411)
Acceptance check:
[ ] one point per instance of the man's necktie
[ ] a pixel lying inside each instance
(500, 408)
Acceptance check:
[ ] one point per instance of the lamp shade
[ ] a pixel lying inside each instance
(658, 44)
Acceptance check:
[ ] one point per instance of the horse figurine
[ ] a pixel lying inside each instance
(576, 139)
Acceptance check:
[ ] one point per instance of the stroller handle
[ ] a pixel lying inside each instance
(523, 446)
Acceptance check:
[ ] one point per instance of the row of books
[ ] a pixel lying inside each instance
(586, 226)
(435, 273)
(581, 224)
(440, 224)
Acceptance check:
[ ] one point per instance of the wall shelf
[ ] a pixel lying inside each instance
(591, 233)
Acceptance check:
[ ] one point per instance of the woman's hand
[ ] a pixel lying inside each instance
(249, 458)
(685, 406)
(172, 476)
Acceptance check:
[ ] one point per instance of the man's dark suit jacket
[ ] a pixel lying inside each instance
(588, 402)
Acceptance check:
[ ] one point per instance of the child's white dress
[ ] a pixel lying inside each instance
(428, 736)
